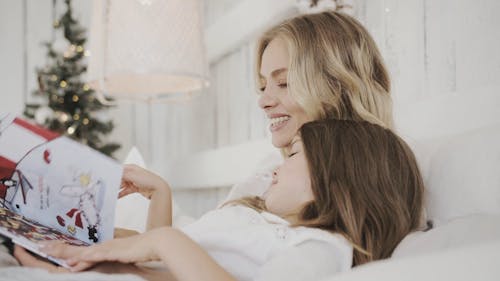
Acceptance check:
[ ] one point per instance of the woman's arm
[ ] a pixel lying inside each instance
(184, 259)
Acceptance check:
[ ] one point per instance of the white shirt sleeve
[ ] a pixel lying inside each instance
(310, 260)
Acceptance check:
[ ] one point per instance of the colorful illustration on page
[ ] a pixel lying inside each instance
(57, 182)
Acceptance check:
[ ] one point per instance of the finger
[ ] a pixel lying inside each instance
(126, 183)
(23, 256)
(90, 254)
(76, 266)
(26, 259)
(59, 250)
(125, 192)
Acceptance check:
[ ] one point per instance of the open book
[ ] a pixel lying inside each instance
(53, 188)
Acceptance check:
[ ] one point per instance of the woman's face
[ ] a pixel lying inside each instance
(284, 113)
(291, 189)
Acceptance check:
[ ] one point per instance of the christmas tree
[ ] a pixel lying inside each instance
(70, 106)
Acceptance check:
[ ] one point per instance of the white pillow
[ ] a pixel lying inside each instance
(464, 176)
(478, 262)
(132, 210)
(460, 232)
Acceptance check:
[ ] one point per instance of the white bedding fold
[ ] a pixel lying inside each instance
(10, 270)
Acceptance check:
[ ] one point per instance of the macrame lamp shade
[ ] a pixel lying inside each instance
(147, 49)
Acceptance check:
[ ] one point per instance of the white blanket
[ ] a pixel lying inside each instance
(10, 270)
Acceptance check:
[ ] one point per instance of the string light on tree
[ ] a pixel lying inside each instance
(71, 130)
(62, 116)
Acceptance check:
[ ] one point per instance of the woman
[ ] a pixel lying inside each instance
(314, 67)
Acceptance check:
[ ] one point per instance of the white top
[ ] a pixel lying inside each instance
(262, 246)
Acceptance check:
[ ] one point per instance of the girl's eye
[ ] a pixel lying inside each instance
(291, 154)
(262, 89)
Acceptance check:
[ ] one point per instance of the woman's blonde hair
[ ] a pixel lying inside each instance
(366, 185)
(335, 67)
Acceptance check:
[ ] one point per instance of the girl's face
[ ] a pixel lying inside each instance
(284, 113)
(290, 190)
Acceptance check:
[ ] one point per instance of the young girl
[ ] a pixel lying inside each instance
(347, 193)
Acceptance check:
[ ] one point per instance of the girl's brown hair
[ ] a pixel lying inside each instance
(366, 185)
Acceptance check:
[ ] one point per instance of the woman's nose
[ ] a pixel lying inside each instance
(267, 101)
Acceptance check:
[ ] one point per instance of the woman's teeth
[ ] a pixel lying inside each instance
(278, 120)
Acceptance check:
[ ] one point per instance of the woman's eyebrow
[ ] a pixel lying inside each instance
(277, 72)
(274, 73)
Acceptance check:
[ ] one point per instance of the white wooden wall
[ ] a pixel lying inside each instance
(445, 49)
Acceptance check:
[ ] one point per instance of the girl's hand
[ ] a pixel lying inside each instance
(138, 248)
(153, 187)
(137, 179)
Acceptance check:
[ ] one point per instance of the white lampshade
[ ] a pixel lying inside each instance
(147, 49)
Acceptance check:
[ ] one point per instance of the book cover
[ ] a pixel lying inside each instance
(54, 188)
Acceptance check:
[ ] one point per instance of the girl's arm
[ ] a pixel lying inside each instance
(160, 209)
(28, 260)
(184, 259)
(152, 186)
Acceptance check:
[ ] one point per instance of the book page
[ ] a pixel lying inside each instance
(58, 182)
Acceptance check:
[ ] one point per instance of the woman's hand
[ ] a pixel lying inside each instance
(136, 179)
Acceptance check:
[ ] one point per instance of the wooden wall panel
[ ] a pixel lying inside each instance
(477, 44)
(12, 69)
(39, 18)
(441, 27)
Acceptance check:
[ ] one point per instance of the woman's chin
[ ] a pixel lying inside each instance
(280, 141)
